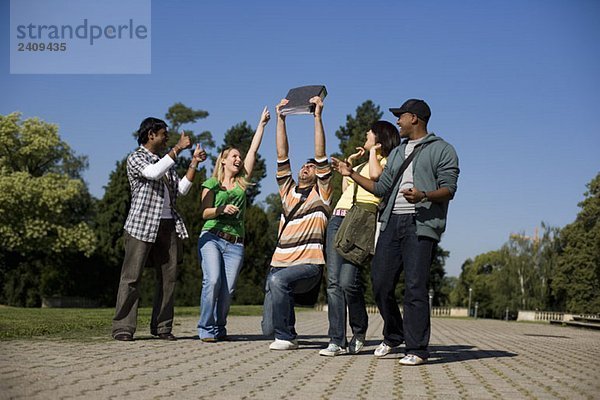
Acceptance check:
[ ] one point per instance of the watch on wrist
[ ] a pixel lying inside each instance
(425, 198)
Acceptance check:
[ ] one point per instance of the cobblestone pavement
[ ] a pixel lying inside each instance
(479, 359)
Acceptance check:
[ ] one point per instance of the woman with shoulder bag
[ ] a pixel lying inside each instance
(221, 243)
(345, 288)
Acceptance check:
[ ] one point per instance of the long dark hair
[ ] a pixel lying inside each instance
(387, 134)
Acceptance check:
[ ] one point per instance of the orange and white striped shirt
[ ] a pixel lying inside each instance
(303, 240)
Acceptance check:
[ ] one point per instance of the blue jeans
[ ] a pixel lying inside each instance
(344, 289)
(278, 308)
(399, 248)
(221, 262)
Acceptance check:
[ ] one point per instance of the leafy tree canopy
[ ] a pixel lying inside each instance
(353, 134)
(577, 280)
(42, 198)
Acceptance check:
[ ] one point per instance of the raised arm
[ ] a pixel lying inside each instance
(351, 160)
(157, 170)
(319, 131)
(198, 156)
(250, 159)
(345, 169)
(375, 168)
(281, 140)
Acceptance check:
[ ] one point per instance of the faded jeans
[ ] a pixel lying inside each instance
(344, 289)
(278, 308)
(221, 263)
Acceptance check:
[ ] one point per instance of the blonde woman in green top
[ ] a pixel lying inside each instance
(221, 242)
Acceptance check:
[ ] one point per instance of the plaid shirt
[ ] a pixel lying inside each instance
(147, 197)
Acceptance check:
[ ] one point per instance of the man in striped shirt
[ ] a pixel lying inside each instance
(298, 261)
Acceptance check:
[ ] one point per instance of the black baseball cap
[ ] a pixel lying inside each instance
(413, 106)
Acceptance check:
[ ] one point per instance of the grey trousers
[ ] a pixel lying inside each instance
(161, 255)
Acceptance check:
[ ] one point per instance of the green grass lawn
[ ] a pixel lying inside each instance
(81, 323)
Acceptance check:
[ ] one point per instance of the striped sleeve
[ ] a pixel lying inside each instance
(324, 180)
(284, 180)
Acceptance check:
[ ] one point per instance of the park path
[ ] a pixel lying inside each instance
(478, 359)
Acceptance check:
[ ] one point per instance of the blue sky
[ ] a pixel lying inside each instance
(513, 85)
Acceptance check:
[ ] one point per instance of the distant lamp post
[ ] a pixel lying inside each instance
(470, 293)
(430, 300)
(476, 307)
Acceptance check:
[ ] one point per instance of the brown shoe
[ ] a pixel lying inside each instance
(210, 340)
(124, 337)
(166, 336)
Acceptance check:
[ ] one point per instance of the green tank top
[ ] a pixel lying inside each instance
(232, 224)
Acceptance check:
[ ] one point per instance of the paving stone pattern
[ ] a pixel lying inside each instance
(472, 359)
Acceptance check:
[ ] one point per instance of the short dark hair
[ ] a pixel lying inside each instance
(148, 125)
(387, 134)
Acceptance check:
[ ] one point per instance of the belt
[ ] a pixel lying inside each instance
(224, 235)
(340, 212)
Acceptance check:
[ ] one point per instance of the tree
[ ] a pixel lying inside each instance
(515, 277)
(577, 277)
(45, 208)
(353, 134)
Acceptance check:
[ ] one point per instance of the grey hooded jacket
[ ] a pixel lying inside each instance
(434, 167)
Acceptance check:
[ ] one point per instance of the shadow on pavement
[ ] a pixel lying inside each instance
(457, 353)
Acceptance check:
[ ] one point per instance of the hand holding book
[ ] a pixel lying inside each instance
(300, 100)
(318, 102)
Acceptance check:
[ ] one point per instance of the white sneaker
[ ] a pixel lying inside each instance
(280, 344)
(411, 359)
(356, 344)
(382, 350)
(331, 351)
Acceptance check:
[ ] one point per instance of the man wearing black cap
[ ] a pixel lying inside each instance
(412, 223)
(297, 264)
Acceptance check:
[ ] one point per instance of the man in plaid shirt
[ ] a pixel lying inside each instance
(152, 228)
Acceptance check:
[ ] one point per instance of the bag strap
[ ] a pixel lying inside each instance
(290, 215)
(360, 168)
(405, 164)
